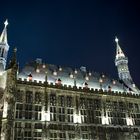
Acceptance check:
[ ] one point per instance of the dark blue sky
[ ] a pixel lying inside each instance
(75, 33)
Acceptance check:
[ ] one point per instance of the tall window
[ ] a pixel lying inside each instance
(52, 99)
(83, 103)
(61, 114)
(69, 101)
(53, 113)
(38, 98)
(61, 101)
(28, 111)
(27, 135)
(29, 97)
(37, 112)
(19, 111)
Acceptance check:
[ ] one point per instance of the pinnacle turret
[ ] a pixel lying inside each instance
(4, 47)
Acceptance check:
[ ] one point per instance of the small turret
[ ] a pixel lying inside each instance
(121, 61)
(4, 47)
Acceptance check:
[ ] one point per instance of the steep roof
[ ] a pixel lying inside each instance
(79, 77)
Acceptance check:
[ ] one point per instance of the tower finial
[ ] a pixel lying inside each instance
(116, 39)
(6, 23)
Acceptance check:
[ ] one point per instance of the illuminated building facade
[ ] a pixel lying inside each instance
(49, 102)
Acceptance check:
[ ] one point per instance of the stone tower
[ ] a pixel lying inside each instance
(121, 62)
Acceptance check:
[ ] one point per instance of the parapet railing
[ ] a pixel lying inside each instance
(78, 89)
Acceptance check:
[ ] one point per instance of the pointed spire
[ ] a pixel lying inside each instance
(119, 52)
(3, 37)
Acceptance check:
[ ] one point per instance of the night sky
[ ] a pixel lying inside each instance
(74, 33)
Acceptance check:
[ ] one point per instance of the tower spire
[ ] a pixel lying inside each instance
(3, 37)
(119, 52)
(4, 47)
